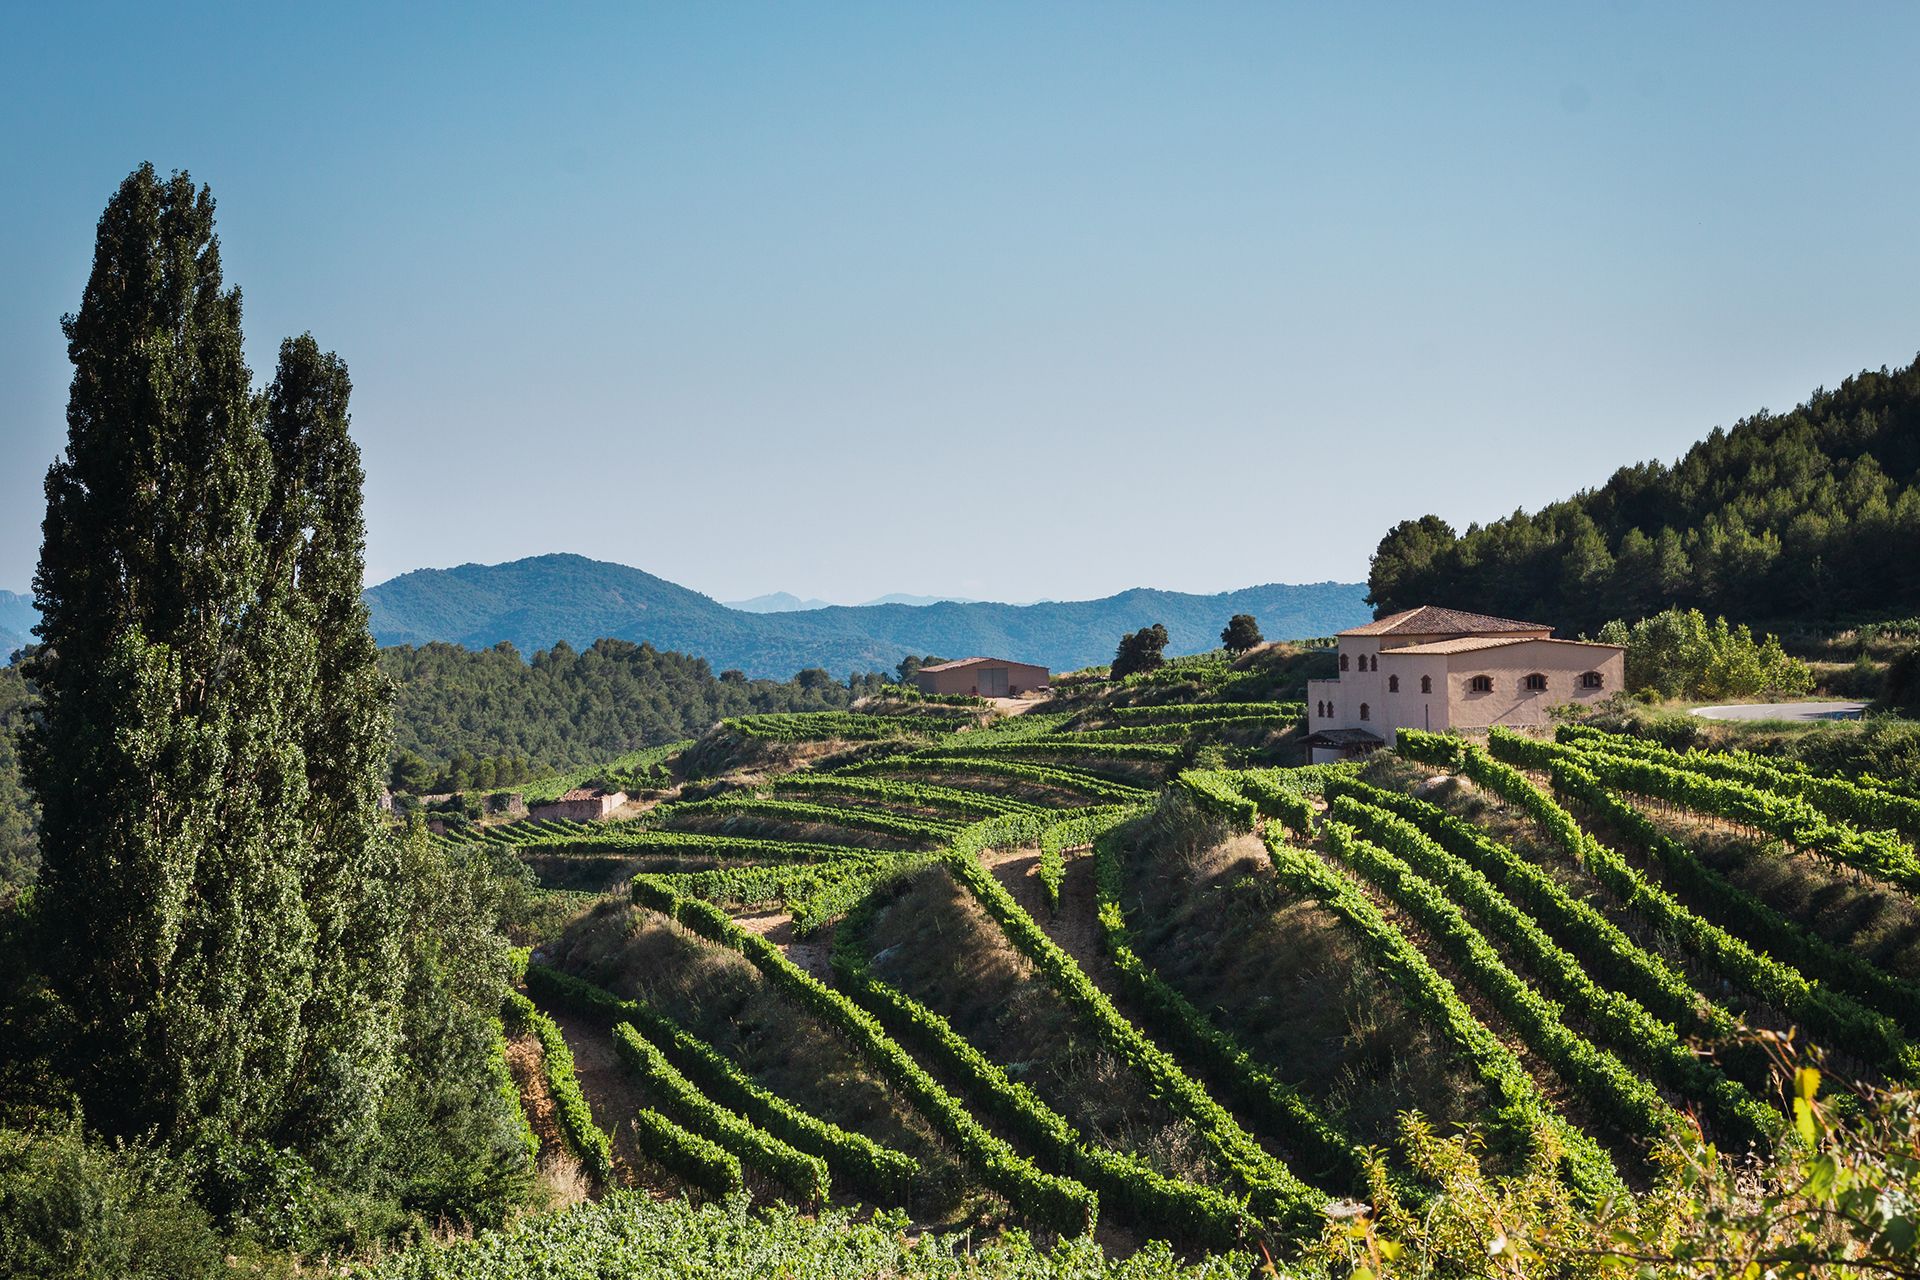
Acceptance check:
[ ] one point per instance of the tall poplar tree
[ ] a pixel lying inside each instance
(315, 533)
(168, 761)
(250, 962)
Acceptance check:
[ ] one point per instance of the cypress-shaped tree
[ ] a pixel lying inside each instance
(247, 958)
(170, 777)
(315, 535)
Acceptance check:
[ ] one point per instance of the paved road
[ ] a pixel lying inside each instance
(1785, 711)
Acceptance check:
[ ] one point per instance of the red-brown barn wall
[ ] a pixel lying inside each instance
(1021, 677)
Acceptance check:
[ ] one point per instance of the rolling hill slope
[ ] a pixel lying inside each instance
(535, 602)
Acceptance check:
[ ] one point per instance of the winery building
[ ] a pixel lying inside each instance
(1442, 669)
(582, 804)
(982, 677)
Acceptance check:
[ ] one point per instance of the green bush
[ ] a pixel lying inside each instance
(686, 1155)
(802, 1174)
(75, 1210)
(1679, 654)
(1312, 1135)
(1277, 1193)
(1126, 1183)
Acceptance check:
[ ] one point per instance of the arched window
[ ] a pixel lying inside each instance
(1481, 684)
(1376, 662)
(1364, 709)
(1320, 709)
(1393, 684)
(1536, 683)
(1593, 680)
(1343, 662)
(1426, 684)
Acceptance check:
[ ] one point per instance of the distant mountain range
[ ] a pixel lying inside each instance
(787, 602)
(535, 602)
(776, 602)
(17, 620)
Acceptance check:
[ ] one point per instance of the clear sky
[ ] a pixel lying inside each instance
(1001, 300)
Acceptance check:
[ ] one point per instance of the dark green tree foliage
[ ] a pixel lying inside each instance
(1809, 514)
(167, 764)
(250, 965)
(74, 1210)
(315, 533)
(1901, 687)
(1242, 633)
(19, 818)
(568, 708)
(1142, 650)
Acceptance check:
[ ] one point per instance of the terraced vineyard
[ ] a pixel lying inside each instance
(1110, 968)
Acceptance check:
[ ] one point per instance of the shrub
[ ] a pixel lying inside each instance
(75, 1210)
(1679, 654)
(1900, 687)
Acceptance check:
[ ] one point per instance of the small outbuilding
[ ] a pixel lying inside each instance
(582, 804)
(982, 677)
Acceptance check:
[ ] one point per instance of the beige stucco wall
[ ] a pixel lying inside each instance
(1450, 704)
(1021, 677)
(1512, 704)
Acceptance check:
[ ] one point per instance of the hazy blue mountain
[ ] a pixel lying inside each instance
(776, 602)
(901, 597)
(18, 617)
(787, 602)
(533, 603)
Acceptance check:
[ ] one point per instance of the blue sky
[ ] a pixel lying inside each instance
(999, 300)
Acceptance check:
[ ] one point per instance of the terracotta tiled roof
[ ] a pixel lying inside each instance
(1468, 644)
(1464, 644)
(974, 662)
(583, 793)
(1431, 620)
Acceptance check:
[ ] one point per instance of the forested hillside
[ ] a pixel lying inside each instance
(1812, 514)
(538, 602)
(567, 708)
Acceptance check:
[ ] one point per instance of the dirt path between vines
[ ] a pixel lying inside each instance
(1075, 928)
(612, 1095)
(527, 1064)
(777, 927)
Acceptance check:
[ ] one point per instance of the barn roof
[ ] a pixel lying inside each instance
(1432, 620)
(957, 663)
